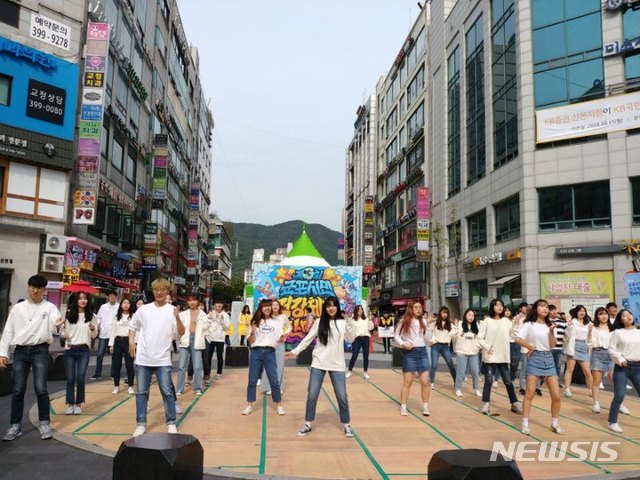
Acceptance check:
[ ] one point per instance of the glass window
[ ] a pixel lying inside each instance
(121, 92)
(5, 90)
(411, 271)
(477, 230)
(130, 168)
(117, 157)
(586, 81)
(584, 34)
(160, 43)
(125, 38)
(141, 14)
(632, 67)
(508, 219)
(479, 295)
(570, 207)
(104, 142)
(549, 43)
(454, 235)
(111, 12)
(546, 12)
(134, 114)
(635, 199)
(454, 123)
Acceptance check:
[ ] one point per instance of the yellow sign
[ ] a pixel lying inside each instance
(577, 284)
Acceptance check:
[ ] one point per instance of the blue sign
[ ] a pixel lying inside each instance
(44, 90)
(91, 112)
(632, 283)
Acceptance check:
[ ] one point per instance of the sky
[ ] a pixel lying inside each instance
(284, 79)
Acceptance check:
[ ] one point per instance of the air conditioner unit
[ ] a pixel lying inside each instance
(52, 263)
(55, 243)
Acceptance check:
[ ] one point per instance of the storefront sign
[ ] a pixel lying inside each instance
(606, 249)
(451, 289)
(617, 48)
(49, 31)
(566, 290)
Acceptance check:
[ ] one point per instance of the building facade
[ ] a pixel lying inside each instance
(219, 252)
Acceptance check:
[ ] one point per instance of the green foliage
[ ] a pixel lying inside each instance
(228, 293)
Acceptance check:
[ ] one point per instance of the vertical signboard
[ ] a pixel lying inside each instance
(341, 256)
(423, 224)
(369, 223)
(85, 196)
(194, 212)
(160, 162)
(151, 242)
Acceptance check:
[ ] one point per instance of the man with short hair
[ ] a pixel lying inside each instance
(559, 331)
(29, 329)
(220, 322)
(106, 314)
(612, 310)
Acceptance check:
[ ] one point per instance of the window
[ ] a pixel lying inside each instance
(121, 92)
(98, 227)
(411, 271)
(415, 123)
(454, 235)
(635, 199)
(125, 39)
(141, 14)
(508, 219)
(134, 114)
(390, 243)
(160, 43)
(118, 152)
(453, 119)
(10, 13)
(475, 103)
(111, 12)
(104, 143)
(631, 24)
(5, 90)
(479, 295)
(415, 86)
(567, 51)
(164, 8)
(130, 168)
(570, 207)
(477, 230)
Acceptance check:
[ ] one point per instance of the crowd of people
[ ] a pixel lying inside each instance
(528, 347)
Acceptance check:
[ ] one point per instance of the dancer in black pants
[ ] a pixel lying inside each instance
(362, 327)
(214, 337)
(119, 346)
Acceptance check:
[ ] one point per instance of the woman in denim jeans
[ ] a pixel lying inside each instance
(79, 329)
(192, 343)
(624, 349)
(441, 344)
(464, 334)
(328, 356)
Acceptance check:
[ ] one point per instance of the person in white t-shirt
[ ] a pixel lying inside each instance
(276, 312)
(158, 325)
(106, 313)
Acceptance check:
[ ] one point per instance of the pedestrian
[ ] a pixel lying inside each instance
(119, 346)
(536, 335)
(559, 332)
(106, 313)
(328, 356)
(600, 362)
(575, 346)
(412, 334)
(441, 344)
(192, 344)
(29, 330)
(493, 337)
(265, 333)
(363, 327)
(244, 323)
(624, 349)
(80, 326)
(465, 336)
(215, 340)
(277, 313)
(158, 324)
(386, 321)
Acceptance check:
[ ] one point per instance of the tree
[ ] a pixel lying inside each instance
(231, 292)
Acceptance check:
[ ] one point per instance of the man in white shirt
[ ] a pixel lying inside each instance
(158, 325)
(215, 340)
(29, 330)
(106, 314)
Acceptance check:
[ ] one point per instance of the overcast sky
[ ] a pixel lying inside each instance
(285, 78)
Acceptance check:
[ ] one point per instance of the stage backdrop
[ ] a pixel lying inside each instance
(298, 287)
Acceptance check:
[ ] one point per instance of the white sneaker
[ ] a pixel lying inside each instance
(624, 410)
(478, 393)
(485, 409)
(172, 428)
(458, 393)
(403, 410)
(614, 427)
(268, 392)
(259, 382)
(425, 410)
(69, 410)
(131, 391)
(198, 392)
(77, 410)
(348, 374)
(366, 376)
(178, 394)
(433, 385)
(629, 387)
(595, 408)
(601, 387)
(247, 410)
(115, 391)
(495, 384)
(567, 393)
(280, 411)
(140, 429)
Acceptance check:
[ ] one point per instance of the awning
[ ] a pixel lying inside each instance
(112, 280)
(501, 281)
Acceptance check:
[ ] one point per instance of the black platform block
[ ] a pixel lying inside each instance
(396, 360)
(56, 367)
(6, 381)
(159, 456)
(471, 464)
(305, 357)
(237, 357)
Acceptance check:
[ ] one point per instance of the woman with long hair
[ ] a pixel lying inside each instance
(441, 344)
(600, 363)
(575, 346)
(119, 346)
(363, 327)
(265, 334)
(244, 324)
(494, 335)
(537, 335)
(413, 336)
(79, 328)
(465, 337)
(624, 349)
(276, 312)
(328, 356)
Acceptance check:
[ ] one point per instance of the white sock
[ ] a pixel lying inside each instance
(485, 404)
(403, 406)
(525, 422)
(425, 405)
(554, 422)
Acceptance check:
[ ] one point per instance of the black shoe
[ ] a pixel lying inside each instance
(538, 392)
(95, 377)
(521, 391)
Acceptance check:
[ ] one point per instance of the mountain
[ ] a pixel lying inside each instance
(250, 236)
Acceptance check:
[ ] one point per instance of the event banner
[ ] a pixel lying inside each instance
(566, 290)
(298, 287)
(610, 114)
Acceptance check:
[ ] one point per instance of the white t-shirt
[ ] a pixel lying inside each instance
(106, 315)
(579, 330)
(29, 324)
(536, 334)
(625, 345)
(157, 327)
(79, 333)
(270, 331)
(329, 357)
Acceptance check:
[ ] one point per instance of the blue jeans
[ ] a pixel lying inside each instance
(163, 375)
(514, 360)
(316, 377)
(24, 358)
(76, 361)
(266, 386)
(620, 377)
(358, 343)
(103, 343)
(259, 359)
(462, 362)
(196, 358)
(444, 350)
(489, 375)
(557, 359)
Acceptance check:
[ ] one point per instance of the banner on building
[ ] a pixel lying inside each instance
(610, 114)
(298, 287)
(566, 290)
(423, 224)
(632, 284)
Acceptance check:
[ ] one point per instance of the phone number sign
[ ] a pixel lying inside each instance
(46, 102)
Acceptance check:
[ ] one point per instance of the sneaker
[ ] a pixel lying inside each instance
(433, 385)
(172, 428)
(218, 376)
(601, 387)
(259, 382)
(538, 392)
(624, 410)
(521, 391)
(595, 408)
(280, 411)
(95, 377)
(458, 393)
(77, 410)
(557, 429)
(115, 391)
(140, 429)
(629, 387)
(14, 432)
(348, 432)
(304, 430)
(366, 376)
(198, 392)
(179, 393)
(614, 427)
(425, 410)
(131, 391)
(268, 392)
(207, 381)
(567, 393)
(495, 384)
(485, 409)
(348, 374)
(45, 431)
(478, 393)
(525, 430)
(403, 410)
(69, 410)
(516, 407)
(247, 410)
